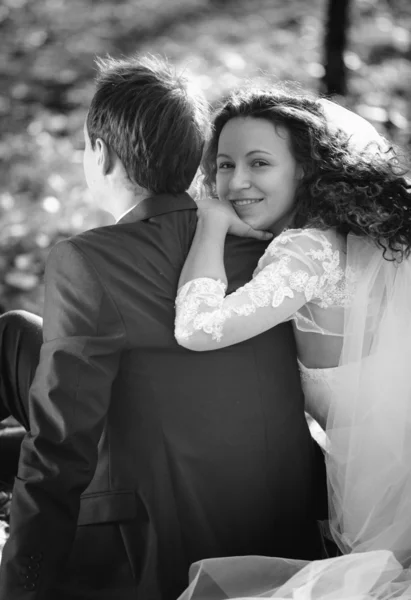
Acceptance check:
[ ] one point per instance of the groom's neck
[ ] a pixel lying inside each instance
(124, 200)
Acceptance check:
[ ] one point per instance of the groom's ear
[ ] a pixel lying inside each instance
(104, 160)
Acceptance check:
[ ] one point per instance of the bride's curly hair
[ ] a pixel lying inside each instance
(367, 192)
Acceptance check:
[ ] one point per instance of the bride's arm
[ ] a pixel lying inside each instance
(294, 272)
(206, 256)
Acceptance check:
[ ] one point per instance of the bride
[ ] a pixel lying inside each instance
(335, 199)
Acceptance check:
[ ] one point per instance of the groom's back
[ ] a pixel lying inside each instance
(209, 453)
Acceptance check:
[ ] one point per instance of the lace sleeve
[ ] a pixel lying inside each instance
(298, 267)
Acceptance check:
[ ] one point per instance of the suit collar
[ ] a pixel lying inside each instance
(160, 204)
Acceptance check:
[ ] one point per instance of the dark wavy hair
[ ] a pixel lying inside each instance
(365, 192)
(152, 119)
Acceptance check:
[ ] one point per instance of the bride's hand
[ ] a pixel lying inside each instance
(223, 214)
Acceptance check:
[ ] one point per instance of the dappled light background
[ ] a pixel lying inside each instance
(47, 50)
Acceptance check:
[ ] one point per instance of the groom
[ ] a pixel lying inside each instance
(142, 457)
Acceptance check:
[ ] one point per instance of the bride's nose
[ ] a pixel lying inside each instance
(240, 179)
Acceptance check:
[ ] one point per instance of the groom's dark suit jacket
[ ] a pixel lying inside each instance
(144, 457)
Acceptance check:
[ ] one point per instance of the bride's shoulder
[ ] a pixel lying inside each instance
(303, 240)
(308, 246)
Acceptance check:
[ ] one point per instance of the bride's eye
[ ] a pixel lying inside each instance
(259, 163)
(224, 165)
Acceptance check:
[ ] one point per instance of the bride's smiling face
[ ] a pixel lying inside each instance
(257, 172)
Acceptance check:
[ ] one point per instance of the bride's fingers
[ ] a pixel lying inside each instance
(258, 234)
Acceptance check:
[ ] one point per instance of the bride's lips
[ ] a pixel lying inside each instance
(240, 202)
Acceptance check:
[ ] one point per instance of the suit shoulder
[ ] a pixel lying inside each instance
(101, 240)
(93, 235)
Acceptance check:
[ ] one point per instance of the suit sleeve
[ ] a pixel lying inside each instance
(83, 337)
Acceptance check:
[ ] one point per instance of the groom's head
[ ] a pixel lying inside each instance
(148, 123)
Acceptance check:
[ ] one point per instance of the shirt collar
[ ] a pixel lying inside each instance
(160, 204)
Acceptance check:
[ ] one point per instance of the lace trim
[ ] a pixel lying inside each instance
(271, 285)
(331, 288)
(203, 290)
(316, 375)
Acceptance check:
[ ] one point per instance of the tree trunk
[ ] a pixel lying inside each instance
(335, 77)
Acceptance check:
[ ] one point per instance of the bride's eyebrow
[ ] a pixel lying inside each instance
(258, 152)
(248, 153)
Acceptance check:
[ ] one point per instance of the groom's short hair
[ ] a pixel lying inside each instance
(152, 118)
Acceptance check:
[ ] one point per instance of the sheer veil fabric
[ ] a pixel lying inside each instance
(369, 427)
(368, 446)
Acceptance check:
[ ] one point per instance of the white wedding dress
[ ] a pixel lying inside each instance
(351, 310)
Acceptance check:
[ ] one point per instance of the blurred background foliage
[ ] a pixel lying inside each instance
(47, 50)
